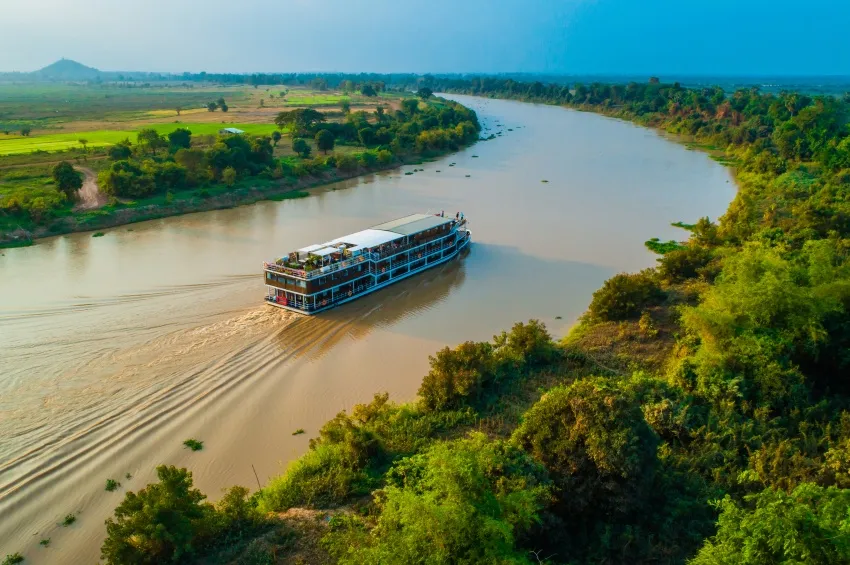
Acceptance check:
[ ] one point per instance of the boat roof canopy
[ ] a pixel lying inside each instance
(368, 238)
(375, 236)
(413, 224)
(325, 251)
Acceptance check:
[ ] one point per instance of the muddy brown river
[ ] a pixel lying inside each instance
(113, 350)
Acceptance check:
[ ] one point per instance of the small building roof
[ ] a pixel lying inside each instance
(230, 130)
(367, 238)
(413, 224)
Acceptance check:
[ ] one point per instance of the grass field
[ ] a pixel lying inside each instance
(59, 115)
(17, 144)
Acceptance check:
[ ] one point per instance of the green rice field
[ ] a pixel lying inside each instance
(17, 144)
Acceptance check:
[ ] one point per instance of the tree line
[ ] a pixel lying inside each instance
(162, 164)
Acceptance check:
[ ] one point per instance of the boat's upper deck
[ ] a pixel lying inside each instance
(386, 238)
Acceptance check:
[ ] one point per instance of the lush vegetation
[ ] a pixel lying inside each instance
(713, 425)
(166, 164)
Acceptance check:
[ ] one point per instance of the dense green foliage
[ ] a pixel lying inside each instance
(463, 501)
(810, 525)
(156, 165)
(169, 521)
(750, 406)
(67, 179)
(625, 295)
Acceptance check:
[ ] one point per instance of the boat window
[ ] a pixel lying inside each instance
(323, 280)
(268, 276)
(302, 284)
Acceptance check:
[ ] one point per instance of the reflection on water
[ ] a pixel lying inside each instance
(115, 349)
(316, 336)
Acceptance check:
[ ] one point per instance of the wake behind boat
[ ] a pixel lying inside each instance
(319, 277)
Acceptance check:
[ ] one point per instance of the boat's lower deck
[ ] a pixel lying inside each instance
(313, 304)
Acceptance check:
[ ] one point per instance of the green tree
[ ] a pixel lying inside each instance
(465, 501)
(324, 141)
(228, 176)
(368, 90)
(301, 147)
(120, 151)
(84, 142)
(593, 439)
(181, 138)
(68, 180)
(190, 159)
(149, 141)
(300, 121)
(625, 296)
(425, 93)
(410, 106)
(276, 137)
(345, 106)
(212, 107)
(25, 131)
(811, 525)
(158, 524)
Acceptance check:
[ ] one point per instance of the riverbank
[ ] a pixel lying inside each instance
(158, 334)
(202, 200)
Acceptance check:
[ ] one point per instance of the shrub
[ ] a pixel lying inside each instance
(368, 159)
(158, 524)
(625, 296)
(13, 559)
(112, 485)
(385, 157)
(683, 264)
(345, 162)
(529, 344)
(458, 376)
(324, 476)
(68, 520)
(228, 176)
(120, 151)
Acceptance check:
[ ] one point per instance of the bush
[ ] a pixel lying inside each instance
(228, 176)
(346, 162)
(324, 476)
(158, 524)
(458, 376)
(625, 296)
(683, 264)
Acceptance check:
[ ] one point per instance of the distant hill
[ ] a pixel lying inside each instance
(66, 69)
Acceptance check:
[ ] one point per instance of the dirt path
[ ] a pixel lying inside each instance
(90, 196)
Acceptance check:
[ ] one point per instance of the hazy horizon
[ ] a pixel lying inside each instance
(567, 37)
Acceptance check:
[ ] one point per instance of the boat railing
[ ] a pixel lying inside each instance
(321, 271)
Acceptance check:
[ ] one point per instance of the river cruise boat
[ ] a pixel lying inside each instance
(322, 276)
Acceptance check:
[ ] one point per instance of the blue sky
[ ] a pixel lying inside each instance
(672, 37)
